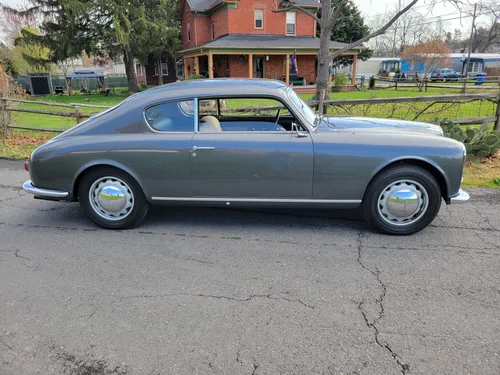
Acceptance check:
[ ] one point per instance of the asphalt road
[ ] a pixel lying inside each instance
(207, 291)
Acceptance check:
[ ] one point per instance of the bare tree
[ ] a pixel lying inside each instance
(486, 29)
(425, 57)
(329, 17)
(13, 23)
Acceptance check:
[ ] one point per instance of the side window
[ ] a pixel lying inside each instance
(171, 116)
(207, 107)
(255, 107)
(244, 114)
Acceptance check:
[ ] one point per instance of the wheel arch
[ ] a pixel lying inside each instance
(103, 163)
(429, 165)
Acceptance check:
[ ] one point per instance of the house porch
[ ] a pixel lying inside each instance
(259, 56)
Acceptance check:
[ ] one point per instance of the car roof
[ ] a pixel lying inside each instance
(212, 87)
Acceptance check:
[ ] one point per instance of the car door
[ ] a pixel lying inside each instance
(248, 157)
(166, 170)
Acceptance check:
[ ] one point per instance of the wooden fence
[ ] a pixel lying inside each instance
(409, 108)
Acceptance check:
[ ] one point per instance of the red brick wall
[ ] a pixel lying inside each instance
(220, 21)
(237, 69)
(274, 68)
(203, 34)
(306, 65)
(241, 19)
(187, 18)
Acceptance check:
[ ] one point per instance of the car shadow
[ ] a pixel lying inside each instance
(254, 217)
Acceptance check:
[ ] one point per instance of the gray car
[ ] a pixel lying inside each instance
(246, 142)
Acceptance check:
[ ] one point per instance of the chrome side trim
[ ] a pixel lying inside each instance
(461, 197)
(32, 189)
(254, 200)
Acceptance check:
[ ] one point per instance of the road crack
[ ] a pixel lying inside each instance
(234, 299)
(404, 367)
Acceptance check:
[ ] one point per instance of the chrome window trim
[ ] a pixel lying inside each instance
(254, 200)
(291, 108)
(169, 101)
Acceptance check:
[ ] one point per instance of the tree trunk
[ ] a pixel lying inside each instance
(160, 71)
(128, 60)
(324, 53)
(323, 65)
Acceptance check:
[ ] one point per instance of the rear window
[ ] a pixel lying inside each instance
(175, 116)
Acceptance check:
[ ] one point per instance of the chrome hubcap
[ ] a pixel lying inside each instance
(111, 198)
(403, 202)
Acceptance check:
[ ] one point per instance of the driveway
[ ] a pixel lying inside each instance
(209, 291)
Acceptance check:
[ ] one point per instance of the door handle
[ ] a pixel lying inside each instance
(196, 148)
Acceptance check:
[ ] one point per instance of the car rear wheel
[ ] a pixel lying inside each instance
(112, 199)
(402, 200)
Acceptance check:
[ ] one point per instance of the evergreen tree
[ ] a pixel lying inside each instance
(115, 28)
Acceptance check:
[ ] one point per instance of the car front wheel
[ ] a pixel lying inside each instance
(402, 200)
(112, 199)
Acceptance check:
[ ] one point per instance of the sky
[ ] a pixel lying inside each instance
(375, 8)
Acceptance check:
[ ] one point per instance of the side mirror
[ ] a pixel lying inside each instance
(298, 133)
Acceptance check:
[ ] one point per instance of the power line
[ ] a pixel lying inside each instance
(414, 7)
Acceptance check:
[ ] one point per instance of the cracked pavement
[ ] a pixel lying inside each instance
(215, 291)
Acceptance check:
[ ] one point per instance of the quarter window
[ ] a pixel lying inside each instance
(290, 23)
(258, 19)
(171, 116)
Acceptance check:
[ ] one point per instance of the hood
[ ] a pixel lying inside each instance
(379, 124)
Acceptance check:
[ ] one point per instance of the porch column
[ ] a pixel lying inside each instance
(287, 70)
(354, 63)
(210, 65)
(196, 65)
(250, 66)
(186, 74)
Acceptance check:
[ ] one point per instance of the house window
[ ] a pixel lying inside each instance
(212, 30)
(258, 16)
(164, 69)
(473, 67)
(290, 23)
(189, 32)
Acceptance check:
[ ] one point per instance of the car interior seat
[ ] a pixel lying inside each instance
(209, 124)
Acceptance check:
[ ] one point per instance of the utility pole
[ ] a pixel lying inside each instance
(470, 48)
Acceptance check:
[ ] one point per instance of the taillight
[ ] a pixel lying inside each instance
(26, 166)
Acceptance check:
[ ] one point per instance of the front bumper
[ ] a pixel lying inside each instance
(461, 197)
(45, 193)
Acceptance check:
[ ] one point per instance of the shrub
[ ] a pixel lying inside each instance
(341, 80)
(479, 142)
(196, 76)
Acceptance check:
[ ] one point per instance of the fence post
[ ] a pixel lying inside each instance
(78, 114)
(497, 113)
(5, 118)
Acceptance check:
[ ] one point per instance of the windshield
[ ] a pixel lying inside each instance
(304, 109)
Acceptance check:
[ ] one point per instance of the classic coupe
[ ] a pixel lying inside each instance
(247, 142)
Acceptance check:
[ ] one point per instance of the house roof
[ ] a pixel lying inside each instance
(204, 5)
(266, 41)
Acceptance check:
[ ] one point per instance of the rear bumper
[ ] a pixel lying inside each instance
(45, 193)
(461, 197)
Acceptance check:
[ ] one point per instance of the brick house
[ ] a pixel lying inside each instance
(247, 38)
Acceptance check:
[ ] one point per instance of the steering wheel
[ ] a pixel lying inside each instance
(277, 116)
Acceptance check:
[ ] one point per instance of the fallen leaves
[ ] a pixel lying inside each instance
(20, 146)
